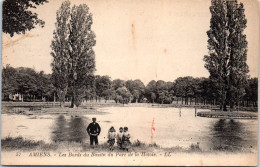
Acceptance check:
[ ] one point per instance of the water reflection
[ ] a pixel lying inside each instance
(227, 135)
(77, 129)
(59, 132)
(73, 130)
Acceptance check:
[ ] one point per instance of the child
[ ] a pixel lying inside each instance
(111, 136)
(126, 139)
(119, 137)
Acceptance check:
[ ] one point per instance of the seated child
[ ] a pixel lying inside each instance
(119, 137)
(111, 136)
(126, 139)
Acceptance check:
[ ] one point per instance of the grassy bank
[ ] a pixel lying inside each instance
(20, 143)
(227, 114)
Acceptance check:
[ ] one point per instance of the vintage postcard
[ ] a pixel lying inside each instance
(130, 82)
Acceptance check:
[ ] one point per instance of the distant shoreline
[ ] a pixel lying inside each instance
(91, 107)
(228, 114)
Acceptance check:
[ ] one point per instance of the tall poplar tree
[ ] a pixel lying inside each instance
(60, 52)
(75, 57)
(82, 56)
(227, 46)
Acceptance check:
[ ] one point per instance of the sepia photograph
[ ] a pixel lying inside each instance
(130, 82)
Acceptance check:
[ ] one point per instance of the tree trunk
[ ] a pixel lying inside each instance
(62, 104)
(231, 105)
(54, 98)
(73, 103)
(224, 107)
(224, 98)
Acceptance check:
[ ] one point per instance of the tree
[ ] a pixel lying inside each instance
(9, 85)
(150, 91)
(27, 83)
(26, 79)
(82, 55)
(183, 88)
(251, 91)
(153, 96)
(161, 91)
(60, 52)
(123, 95)
(17, 18)
(74, 57)
(227, 46)
(136, 88)
(90, 91)
(118, 83)
(45, 88)
(103, 86)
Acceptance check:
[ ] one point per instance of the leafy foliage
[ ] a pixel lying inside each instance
(17, 17)
(103, 86)
(38, 86)
(28, 83)
(123, 95)
(60, 52)
(136, 88)
(74, 58)
(227, 46)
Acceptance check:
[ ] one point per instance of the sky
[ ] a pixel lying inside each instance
(147, 40)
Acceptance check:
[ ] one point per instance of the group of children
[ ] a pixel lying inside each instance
(122, 138)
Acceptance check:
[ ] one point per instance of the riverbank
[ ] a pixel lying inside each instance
(90, 107)
(18, 143)
(228, 114)
(22, 144)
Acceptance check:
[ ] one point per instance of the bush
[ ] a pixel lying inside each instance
(138, 143)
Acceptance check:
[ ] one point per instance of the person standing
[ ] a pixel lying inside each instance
(119, 137)
(126, 139)
(111, 136)
(93, 130)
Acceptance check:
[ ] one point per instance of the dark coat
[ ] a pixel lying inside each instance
(93, 129)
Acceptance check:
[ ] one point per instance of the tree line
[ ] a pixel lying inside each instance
(36, 86)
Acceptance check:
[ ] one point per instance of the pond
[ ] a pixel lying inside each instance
(171, 128)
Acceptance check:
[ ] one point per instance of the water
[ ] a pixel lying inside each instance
(171, 128)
